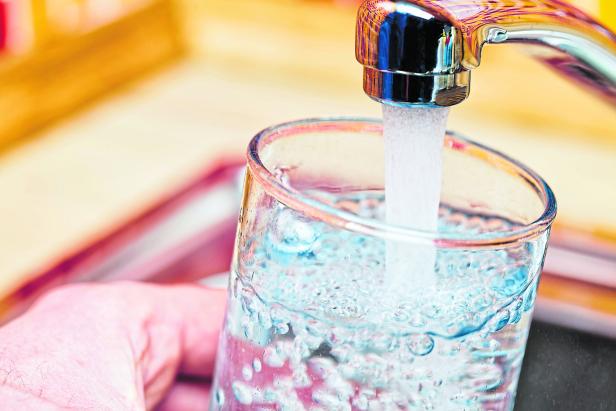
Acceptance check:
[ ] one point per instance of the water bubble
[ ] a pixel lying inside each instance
(301, 378)
(383, 342)
(280, 320)
(313, 342)
(247, 373)
(317, 328)
(417, 320)
(516, 311)
(292, 233)
(300, 350)
(264, 319)
(247, 330)
(500, 320)
(342, 352)
(420, 344)
(329, 401)
(248, 303)
(273, 357)
(284, 384)
(361, 403)
(529, 300)
(431, 311)
(322, 367)
(220, 397)
(270, 396)
(256, 364)
(281, 328)
(242, 393)
(483, 377)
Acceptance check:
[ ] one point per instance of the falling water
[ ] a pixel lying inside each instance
(413, 160)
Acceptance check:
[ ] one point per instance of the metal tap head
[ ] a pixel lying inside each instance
(420, 52)
(411, 55)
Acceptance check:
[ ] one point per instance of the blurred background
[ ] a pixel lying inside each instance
(121, 119)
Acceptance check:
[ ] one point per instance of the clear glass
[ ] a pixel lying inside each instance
(313, 321)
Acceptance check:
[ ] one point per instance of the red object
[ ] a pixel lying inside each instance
(4, 20)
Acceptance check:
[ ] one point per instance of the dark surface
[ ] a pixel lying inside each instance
(567, 371)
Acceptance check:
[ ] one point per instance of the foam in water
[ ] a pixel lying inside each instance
(413, 176)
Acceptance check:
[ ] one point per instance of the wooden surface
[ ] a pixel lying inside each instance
(59, 77)
(254, 66)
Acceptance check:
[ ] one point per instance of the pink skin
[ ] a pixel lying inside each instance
(123, 346)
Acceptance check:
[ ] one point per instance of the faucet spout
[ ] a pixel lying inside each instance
(421, 52)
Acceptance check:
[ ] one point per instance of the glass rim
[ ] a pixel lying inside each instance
(317, 209)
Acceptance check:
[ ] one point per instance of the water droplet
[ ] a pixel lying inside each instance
(420, 344)
(242, 393)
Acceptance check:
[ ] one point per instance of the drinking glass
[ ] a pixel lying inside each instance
(314, 319)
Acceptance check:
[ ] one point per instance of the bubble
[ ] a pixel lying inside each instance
(329, 401)
(220, 397)
(256, 364)
(280, 320)
(529, 300)
(264, 319)
(420, 344)
(500, 320)
(301, 378)
(382, 342)
(483, 377)
(281, 328)
(242, 393)
(292, 233)
(431, 311)
(300, 349)
(273, 357)
(517, 311)
(322, 367)
(342, 352)
(247, 373)
(416, 320)
(270, 396)
(361, 403)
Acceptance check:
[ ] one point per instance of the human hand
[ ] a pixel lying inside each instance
(122, 346)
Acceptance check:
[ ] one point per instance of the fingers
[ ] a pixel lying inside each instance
(196, 314)
(128, 339)
(186, 396)
(179, 335)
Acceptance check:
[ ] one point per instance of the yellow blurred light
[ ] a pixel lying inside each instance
(607, 12)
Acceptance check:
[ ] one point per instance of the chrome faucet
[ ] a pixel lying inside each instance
(421, 52)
